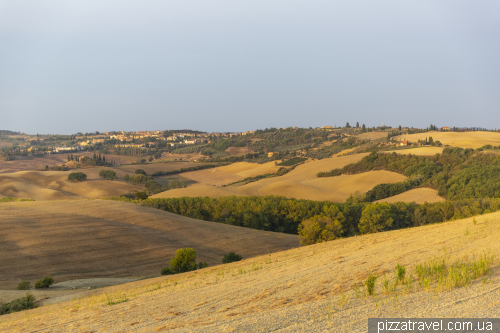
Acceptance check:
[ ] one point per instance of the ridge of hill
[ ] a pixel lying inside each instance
(312, 288)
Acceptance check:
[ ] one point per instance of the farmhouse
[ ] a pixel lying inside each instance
(273, 153)
(403, 143)
(444, 128)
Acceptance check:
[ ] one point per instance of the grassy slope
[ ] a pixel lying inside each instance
(304, 289)
(100, 238)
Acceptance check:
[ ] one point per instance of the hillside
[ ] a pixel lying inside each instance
(306, 289)
(457, 139)
(300, 183)
(100, 238)
(54, 185)
(421, 151)
(417, 195)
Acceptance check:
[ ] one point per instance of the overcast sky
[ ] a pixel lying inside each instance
(70, 66)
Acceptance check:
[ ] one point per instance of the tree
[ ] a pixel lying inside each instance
(141, 195)
(375, 218)
(108, 174)
(357, 124)
(184, 260)
(45, 282)
(363, 129)
(231, 257)
(347, 125)
(319, 229)
(77, 176)
(400, 127)
(140, 172)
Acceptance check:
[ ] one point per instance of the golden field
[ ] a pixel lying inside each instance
(300, 183)
(372, 136)
(308, 289)
(457, 139)
(417, 195)
(101, 238)
(421, 151)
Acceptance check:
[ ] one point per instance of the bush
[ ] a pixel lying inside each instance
(320, 229)
(23, 303)
(108, 174)
(24, 285)
(140, 172)
(231, 257)
(45, 282)
(77, 176)
(370, 284)
(202, 265)
(184, 260)
(141, 195)
(375, 218)
(167, 270)
(126, 177)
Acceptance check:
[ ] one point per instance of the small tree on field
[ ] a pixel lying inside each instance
(77, 176)
(319, 229)
(141, 195)
(24, 285)
(184, 260)
(45, 282)
(231, 257)
(140, 172)
(108, 174)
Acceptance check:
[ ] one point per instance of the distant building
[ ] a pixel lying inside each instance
(403, 143)
(273, 153)
(445, 128)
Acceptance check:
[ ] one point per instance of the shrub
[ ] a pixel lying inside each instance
(231, 257)
(141, 195)
(126, 177)
(45, 282)
(23, 303)
(184, 260)
(167, 270)
(202, 265)
(140, 172)
(77, 176)
(108, 174)
(319, 229)
(24, 285)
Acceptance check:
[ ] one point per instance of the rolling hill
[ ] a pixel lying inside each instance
(417, 195)
(313, 288)
(101, 238)
(300, 183)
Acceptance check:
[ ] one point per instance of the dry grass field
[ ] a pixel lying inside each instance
(421, 151)
(230, 173)
(300, 183)
(457, 139)
(54, 185)
(101, 238)
(418, 195)
(308, 289)
(372, 136)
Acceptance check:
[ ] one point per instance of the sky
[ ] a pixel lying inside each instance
(84, 66)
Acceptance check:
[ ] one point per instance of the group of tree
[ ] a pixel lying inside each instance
(281, 214)
(77, 177)
(456, 173)
(152, 187)
(107, 174)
